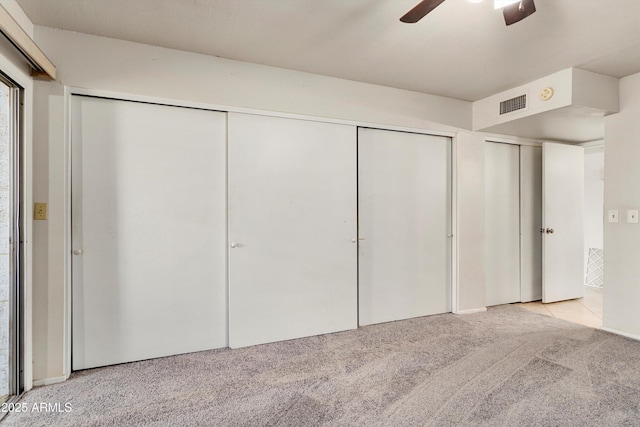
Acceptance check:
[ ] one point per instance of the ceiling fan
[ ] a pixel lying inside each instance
(514, 11)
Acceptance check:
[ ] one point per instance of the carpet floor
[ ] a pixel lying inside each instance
(505, 367)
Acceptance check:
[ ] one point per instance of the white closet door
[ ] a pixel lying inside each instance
(292, 229)
(149, 231)
(530, 223)
(502, 223)
(404, 223)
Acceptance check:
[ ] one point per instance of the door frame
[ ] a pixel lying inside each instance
(15, 75)
(16, 240)
(70, 91)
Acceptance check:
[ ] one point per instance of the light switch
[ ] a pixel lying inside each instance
(40, 211)
(632, 216)
(613, 216)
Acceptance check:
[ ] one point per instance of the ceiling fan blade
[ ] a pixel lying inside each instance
(420, 10)
(518, 11)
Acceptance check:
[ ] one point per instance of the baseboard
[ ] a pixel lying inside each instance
(624, 334)
(49, 381)
(472, 310)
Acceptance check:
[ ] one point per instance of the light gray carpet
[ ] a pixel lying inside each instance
(505, 367)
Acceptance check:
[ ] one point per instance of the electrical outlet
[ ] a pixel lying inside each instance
(40, 211)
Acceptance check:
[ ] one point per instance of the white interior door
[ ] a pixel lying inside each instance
(292, 229)
(502, 223)
(404, 222)
(563, 210)
(149, 231)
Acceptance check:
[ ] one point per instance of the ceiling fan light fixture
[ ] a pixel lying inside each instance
(518, 11)
(499, 4)
(513, 10)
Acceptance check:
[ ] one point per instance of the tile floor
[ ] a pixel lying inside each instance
(585, 311)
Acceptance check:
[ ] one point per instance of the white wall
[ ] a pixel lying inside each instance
(49, 252)
(622, 240)
(593, 202)
(132, 69)
(101, 63)
(470, 233)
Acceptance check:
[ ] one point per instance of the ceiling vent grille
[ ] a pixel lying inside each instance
(513, 104)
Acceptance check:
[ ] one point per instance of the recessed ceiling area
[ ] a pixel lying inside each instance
(461, 50)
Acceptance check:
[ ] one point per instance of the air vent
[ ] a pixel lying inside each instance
(513, 104)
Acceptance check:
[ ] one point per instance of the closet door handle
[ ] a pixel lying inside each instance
(77, 252)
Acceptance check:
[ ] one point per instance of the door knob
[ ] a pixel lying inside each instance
(353, 240)
(233, 245)
(549, 230)
(77, 252)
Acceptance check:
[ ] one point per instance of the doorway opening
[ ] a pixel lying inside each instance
(588, 309)
(594, 231)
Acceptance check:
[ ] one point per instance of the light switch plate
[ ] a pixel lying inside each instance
(613, 216)
(40, 211)
(632, 216)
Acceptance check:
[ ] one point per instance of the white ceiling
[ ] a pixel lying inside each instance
(461, 50)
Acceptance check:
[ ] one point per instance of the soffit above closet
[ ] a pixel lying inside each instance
(567, 106)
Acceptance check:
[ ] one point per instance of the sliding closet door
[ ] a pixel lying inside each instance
(292, 229)
(530, 223)
(404, 225)
(502, 223)
(149, 231)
